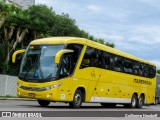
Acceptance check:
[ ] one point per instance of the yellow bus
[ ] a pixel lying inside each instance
(75, 70)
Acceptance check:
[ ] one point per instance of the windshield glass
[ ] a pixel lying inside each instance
(38, 62)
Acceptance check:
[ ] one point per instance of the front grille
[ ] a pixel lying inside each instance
(32, 88)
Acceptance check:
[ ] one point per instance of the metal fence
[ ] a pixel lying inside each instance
(8, 85)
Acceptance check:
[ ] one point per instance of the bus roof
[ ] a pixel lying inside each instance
(84, 41)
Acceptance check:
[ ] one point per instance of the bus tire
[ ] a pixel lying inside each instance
(140, 102)
(108, 105)
(77, 100)
(43, 103)
(134, 102)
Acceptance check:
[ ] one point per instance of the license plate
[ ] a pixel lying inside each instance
(32, 94)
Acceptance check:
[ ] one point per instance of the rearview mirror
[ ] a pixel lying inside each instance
(16, 53)
(60, 53)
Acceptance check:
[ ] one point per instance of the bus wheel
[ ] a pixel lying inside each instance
(140, 102)
(108, 105)
(134, 101)
(44, 103)
(77, 100)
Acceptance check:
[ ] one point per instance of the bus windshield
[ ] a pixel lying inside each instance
(38, 63)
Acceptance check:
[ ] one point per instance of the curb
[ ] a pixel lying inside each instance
(21, 99)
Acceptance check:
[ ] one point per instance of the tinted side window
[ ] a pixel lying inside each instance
(137, 68)
(77, 48)
(145, 72)
(94, 59)
(106, 61)
(65, 68)
(90, 58)
(117, 63)
(128, 66)
(152, 71)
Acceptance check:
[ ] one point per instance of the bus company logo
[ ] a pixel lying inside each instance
(139, 81)
(6, 114)
(93, 75)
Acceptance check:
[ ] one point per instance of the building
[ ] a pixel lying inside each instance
(24, 4)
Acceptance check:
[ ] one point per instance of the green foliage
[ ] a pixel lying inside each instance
(1, 4)
(158, 71)
(110, 44)
(38, 21)
(41, 18)
(17, 18)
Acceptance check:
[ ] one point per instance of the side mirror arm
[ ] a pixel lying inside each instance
(16, 53)
(60, 53)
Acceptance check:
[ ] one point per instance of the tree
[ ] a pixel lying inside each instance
(4, 9)
(42, 19)
(64, 26)
(110, 44)
(14, 30)
(18, 27)
(158, 71)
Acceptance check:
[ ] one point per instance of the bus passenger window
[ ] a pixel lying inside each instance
(106, 61)
(90, 58)
(85, 62)
(128, 67)
(145, 72)
(100, 61)
(118, 64)
(135, 69)
(95, 59)
(152, 71)
(140, 70)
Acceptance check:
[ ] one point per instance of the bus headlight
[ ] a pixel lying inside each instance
(52, 86)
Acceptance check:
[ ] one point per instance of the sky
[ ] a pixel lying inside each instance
(132, 25)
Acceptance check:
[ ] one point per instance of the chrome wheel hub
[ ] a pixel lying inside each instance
(77, 99)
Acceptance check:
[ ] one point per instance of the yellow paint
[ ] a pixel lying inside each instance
(15, 54)
(60, 53)
(96, 82)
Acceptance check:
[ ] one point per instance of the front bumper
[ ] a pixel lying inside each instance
(50, 95)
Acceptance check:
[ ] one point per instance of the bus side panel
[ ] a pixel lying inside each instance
(87, 78)
(64, 90)
(119, 87)
(104, 91)
(113, 86)
(147, 89)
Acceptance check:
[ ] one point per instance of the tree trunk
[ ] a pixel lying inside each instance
(3, 18)
(20, 37)
(8, 33)
(35, 35)
(5, 34)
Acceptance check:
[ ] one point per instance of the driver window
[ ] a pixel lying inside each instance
(69, 60)
(65, 68)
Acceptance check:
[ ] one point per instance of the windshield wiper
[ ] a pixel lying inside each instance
(27, 73)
